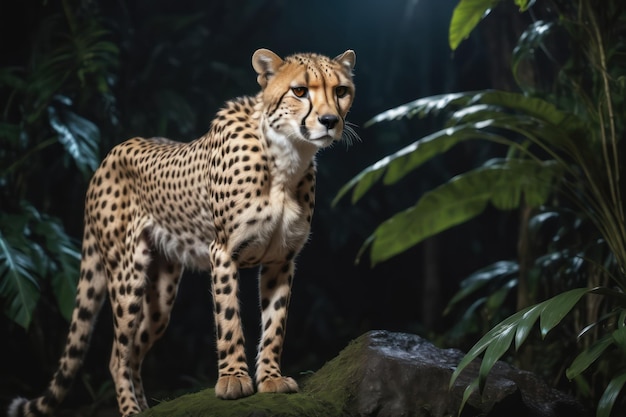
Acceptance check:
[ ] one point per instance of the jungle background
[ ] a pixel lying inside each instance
(79, 76)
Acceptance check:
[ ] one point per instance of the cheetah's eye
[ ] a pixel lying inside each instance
(300, 91)
(341, 91)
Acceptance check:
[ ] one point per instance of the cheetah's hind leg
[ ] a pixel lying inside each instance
(159, 297)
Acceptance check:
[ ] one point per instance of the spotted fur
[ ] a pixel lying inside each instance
(240, 196)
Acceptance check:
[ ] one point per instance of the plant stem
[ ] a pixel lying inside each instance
(40, 146)
(614, 173)
(525, 258)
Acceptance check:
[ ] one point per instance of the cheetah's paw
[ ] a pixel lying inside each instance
(232, 387)
(280, 384)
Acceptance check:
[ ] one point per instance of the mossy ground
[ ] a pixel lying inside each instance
(326, 393)
(205, 404)
(336, 381)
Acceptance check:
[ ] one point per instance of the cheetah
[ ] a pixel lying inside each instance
(240, 196)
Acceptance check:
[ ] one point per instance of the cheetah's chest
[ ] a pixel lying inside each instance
(283, 230)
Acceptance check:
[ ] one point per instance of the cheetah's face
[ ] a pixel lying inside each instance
(306, 96)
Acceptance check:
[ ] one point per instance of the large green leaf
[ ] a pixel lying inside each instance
(498, 297)
(95, 56)
(524, 4)
(558, 308)
(525, 324)
(497, 341)
(461, 199)
(64, 268)
(437, 210)
(468, 321)
(529, 42)
(552, 131)
(605, 405)
(34, 246)
(397, 165)
(79, 136)
(65, 279)
(619, 337)
(502, 270)
(467, 393)
(18, 282)
(616, 296)
(466, 15)
(533, 108)
(588, 356)
(422, 107)
(498, 346)
(503, 327)
(483, 113)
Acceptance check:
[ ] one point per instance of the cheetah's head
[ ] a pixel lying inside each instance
(305, 96)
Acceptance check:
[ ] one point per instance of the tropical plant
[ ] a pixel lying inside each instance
(43, 124)
(563, 149)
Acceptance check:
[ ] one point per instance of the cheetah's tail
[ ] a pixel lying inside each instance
(16, 408)
(90, 296)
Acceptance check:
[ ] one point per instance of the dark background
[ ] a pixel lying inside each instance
(402, 54)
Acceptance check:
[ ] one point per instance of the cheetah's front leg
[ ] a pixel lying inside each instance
(233, 379)
(275, 291)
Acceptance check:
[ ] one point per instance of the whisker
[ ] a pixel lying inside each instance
(349, 135)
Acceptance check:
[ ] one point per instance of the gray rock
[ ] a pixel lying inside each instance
(405, 375)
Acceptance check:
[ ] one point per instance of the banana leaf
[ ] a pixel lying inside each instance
(422, 107)
(484, 113)
(468, 13)
(502, 183)
(395, 166)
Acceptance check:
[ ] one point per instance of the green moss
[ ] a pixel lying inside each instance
(326, 393)
(336, 380)
(206, 404)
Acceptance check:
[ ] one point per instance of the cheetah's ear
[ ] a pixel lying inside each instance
(265, 63)
(347, 59)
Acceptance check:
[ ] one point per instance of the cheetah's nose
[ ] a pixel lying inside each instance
(328, 120)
